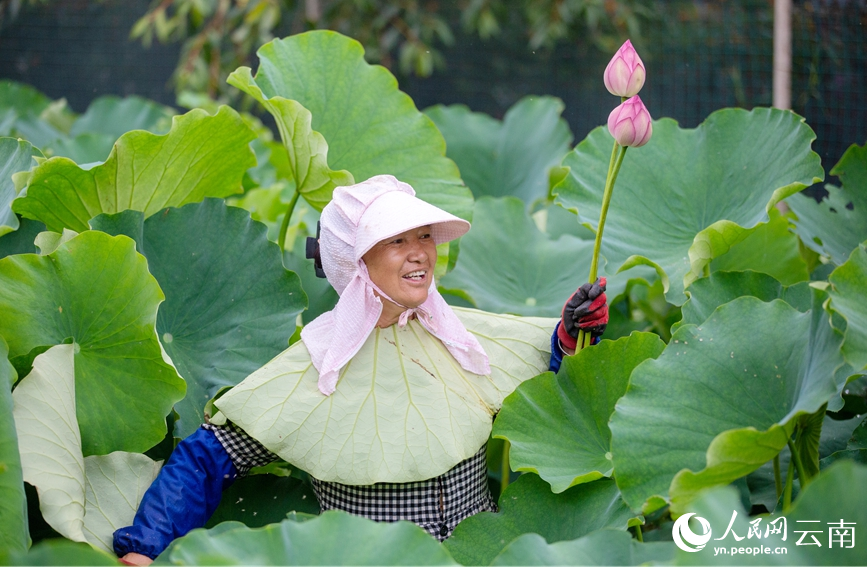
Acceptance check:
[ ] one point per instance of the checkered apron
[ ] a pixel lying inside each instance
(437, 504)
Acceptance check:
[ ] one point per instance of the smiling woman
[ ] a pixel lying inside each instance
(388, 399)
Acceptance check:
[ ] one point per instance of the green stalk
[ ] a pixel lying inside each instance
(796, 456)
(638, 533)
(285, 225)
(778, 481)
(613, 169)
(787, 494)
(505, 471)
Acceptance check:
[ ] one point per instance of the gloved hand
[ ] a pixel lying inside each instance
(587, 310)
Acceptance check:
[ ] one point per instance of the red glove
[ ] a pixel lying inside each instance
(586, 310)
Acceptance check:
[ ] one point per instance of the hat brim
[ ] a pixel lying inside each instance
(396, 212)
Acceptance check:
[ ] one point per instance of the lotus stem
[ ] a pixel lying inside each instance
(796, 456)
(787, 493)
(284, 227)
(778, 481)
(638, 533)
(613, 169)
(505, 470)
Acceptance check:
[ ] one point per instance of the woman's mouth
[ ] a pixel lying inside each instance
(416, 276)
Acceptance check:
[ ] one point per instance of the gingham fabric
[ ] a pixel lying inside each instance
(437, 505)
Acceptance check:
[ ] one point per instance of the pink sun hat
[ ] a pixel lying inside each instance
(358, 217)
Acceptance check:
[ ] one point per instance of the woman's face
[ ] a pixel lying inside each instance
(402, 266)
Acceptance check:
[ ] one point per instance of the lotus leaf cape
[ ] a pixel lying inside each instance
(404, 410)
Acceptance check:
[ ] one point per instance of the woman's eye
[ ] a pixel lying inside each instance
(425, 236)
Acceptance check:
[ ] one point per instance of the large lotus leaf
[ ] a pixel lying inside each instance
(116, 116)
(722, 399)
(260, 499)
(60, 552)
(114, 487)
(83, 149)
(688, 196)
(95, 292)
(84, 499)
(529, 506)
(21, 241)
(230, 304)
(370, 126)
(50, 440)
(707, 294)
(201, 156)
(506, 158)
(771, 249)
(438, 414)
(15, 156)
(23, 99)
(507, 266)
(306, 149)
(558, 424)
(602, 547)
(848, 290)
(334, 538)
(833, 439)
(839, 223)
(14, 535)
(825, 502)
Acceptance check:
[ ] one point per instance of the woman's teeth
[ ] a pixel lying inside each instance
(417, 275)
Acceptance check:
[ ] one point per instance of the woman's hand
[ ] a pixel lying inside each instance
(586, 310)
(136, 559)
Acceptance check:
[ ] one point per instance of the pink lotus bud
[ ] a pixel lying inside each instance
(625, 73)
(630, 123)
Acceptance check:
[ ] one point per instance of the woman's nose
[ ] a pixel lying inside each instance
(417, 253)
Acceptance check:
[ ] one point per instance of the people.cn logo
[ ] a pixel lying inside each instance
(685, 538)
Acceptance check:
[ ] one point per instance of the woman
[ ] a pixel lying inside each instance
(387, 400)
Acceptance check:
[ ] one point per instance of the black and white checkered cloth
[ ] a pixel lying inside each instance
(437, 504)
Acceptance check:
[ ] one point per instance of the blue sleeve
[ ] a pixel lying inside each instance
(184, 495)
(557, 353)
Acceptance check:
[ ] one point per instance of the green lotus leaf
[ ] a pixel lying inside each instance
(334, 538)
(438, 413)
(83, 499)
(21, 241)
(519, 270)
(848, 290)
(95, 292)
(555, 221)
(824, 502)
(722, 399)
(770, 249)
(260, 499)
(370, 126)
(307, 149)
(60, 552)
(859, 437)
(84, 149)
(22, 98)
(558, 424)
(707, 294)
(688, 196)
(15, 156)
(509, 157)
(116, 116)
(529, 506)
(839, 223)
(230, 304)
(201, 156)
(602, 547)
(14, 535)
(833, 440)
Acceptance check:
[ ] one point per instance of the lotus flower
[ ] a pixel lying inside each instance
(630, 123)
(625, 73)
